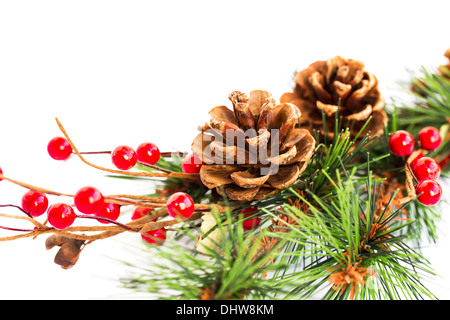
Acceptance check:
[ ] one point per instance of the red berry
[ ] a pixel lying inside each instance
(1, 172)
(426, 168)
(110, 211)
(414, 162)
(60, 215)
(148, 153)
(89, 200)
(401, 143)
(35, 203)
(124, 157)
(180, 205)
(251, 223)
(155, 237)
(140, 212)
(191, 164)
(429, 192)
(429, 138)
(59, 148)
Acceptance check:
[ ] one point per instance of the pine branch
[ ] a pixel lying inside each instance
(342, 244)
(233, 269)
(431, 107)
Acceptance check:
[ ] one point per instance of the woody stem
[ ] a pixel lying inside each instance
(107, 220)
(14, 206)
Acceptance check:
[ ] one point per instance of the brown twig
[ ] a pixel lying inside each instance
(94, 152)
(34, 188)
(141, 225)
(170, 154)
(123, 172)
(14, 206)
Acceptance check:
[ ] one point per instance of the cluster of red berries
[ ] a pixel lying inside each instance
(87, 200)
(426, 170)
(90, 201)
(180, 205)
(125, 157)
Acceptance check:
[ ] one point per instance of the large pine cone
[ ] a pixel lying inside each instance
(338, 85)
(254, 149)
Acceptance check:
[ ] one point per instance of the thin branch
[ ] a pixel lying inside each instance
(122, 172)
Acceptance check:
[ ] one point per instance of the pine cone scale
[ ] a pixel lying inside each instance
(247, 179)
(285, 177)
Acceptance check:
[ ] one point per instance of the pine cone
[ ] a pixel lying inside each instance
(69, 251)
(341, 85)
(445, 69)
(253, 150)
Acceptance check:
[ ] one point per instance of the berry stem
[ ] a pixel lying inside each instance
(86, 216)
(122, 172)
(94, 152)
(163, 154)
(14, 206)
(155, 167)
(34, 188)
(170, 154)
(16, 229)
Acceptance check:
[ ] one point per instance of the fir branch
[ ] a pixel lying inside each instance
(341, 242)
(234, 271)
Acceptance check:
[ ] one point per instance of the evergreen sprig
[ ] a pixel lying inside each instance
(432, 104)
(343, 239)
(431, 107)
(231, 269)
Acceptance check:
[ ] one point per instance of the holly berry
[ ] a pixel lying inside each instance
(429, 138)
(140, 212)
(426, 168)
(429, 192)
(59, 148)
(89, 200)
(110, 211)
(191, 164)
(148, 153)
(155, 237)
(60, 215)
(180, 205)
(414, 162)
(251, 223)
(34, 203)
(124, 157)
(401, 143)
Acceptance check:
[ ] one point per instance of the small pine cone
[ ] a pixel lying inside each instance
(338, 85)
(69, 252)
(254, 149)
(445, 69)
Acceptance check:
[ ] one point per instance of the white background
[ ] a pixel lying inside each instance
(125, 72)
